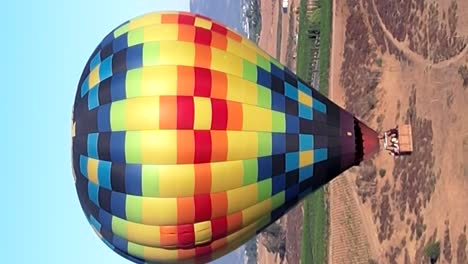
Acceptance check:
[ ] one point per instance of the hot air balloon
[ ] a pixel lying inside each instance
(188, 139)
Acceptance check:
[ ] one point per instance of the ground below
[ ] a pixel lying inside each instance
(401, 62)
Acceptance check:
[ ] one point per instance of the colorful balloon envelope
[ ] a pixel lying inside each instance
(188, 139)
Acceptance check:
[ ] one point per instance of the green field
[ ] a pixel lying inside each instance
(325, 37)
(314, 239)
(303, 46)
(314, 234)
(321, 19)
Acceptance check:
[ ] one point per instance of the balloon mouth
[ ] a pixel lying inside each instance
(367, 141)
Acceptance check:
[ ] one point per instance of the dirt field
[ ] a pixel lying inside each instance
(396, 62)
(269, 11)
(292, 222)
(351, 237)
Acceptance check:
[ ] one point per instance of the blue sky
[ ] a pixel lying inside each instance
(45, 45)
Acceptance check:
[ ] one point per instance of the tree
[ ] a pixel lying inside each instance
(382, 172)
(251, 250)
(432, 251)
(274, 240)
(274, 230)
(463, 71)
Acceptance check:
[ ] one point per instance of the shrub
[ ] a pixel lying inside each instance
(380, 118)
(432, 251)
(379, 62)
(463, 71)
(382, 172)
(419, 231)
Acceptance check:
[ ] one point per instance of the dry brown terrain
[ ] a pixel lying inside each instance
(292, 221)
(263, 256)
(393, 62)
(351, 239)
(269, 12)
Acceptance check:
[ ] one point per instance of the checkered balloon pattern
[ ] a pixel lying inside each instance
(188, 139)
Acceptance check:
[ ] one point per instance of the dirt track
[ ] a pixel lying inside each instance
(415, 57)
